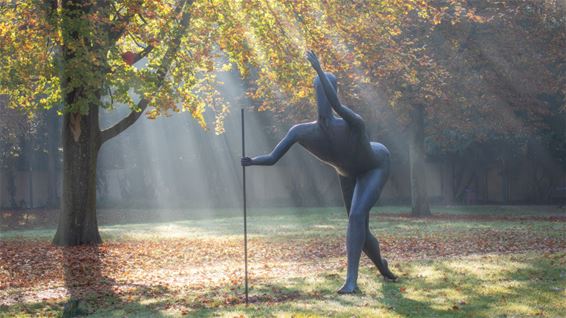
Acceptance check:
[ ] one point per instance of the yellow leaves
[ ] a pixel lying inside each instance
(152, 113)
(226, 67)
(395, 98)
(411, 77)
(196, 106)
(5, 29)
(437, 19)
(472, 16)
(395, 31)
(302, 92)
(219, 119)
(197, 113)
(209, 65)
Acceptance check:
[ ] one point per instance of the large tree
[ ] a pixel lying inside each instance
(81, 54)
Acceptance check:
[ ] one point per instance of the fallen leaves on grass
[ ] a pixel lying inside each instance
(36, 271)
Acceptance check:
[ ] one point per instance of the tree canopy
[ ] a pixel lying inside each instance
(118, 50)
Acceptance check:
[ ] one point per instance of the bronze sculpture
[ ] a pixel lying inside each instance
(362, 166)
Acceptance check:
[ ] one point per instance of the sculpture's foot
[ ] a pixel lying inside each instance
(390, 280)
(387, 274)
(349, 289)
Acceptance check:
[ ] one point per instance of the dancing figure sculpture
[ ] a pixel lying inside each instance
(362, 166)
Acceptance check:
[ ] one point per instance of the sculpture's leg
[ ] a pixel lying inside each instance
(371, 245)
(366, 192)
(347, 185)
(371, 249)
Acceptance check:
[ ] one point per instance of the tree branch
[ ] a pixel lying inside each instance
(162, 71)
(122, 21)
(145, 52)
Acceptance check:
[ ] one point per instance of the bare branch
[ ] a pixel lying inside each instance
(142, 18)
(133, 37)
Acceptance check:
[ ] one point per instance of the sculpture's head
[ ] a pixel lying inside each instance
(324, 108)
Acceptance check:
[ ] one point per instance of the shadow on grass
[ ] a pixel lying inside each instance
(262, 295)
(89, 289)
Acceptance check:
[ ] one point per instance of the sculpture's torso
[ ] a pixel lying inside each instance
(345, 149)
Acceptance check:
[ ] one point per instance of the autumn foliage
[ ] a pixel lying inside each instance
(264, 40)
(407, 52)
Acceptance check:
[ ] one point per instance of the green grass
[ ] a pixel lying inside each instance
(498, 210)
(526, 284)
(288, 221)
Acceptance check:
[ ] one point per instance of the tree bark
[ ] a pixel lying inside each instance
(448, 181)
(11, 176)
(77, 219)
(26, 159)
(419, 196)
(53, 137)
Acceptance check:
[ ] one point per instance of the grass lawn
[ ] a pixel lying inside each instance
(464, 262)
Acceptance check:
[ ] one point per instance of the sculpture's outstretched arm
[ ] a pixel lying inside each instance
(282, 147)
(346, 113)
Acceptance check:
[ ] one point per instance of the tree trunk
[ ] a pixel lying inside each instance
(80, 133)
(28, 152)
(11, 176)
(448, 169)
(77, 219)
(52, 158)
(25, 161)
(419, 196)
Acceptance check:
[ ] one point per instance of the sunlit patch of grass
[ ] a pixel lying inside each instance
(325, 221)
(500, 210)
(42, 234)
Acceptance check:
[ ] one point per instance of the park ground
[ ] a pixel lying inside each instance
(462, 262)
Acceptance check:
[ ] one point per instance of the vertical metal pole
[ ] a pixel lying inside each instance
(245, 209)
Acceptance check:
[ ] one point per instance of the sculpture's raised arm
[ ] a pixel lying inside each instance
(281, 149)
(346, 113)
